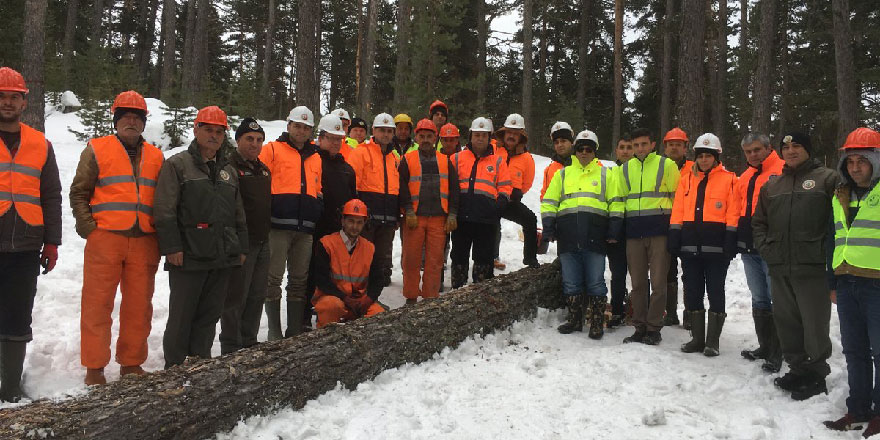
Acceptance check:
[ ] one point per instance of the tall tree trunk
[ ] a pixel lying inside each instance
(689, 106)
(268, 50)
(761, 98)
(186, 86)
(618, 69)
(719, 93)
(483, 22)
(365, 96)
(401, 71)
(527, 69)
(95, 23)
(146, 38)
(784, 77)
(199, 50)
(69, 37)
(306, 81)
(742, 66)
(169, 38)
(542, 52)
(583, 51)
(848, 102)
(359, 55)
(666, 69)
(33, 57)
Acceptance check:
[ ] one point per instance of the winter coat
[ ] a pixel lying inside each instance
(748, 189)
(339, 185)
(255, 186)
(557, 164)
(704, 214)
(484, 185)
(297, 202)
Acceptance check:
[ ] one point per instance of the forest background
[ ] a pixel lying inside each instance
(726, 67)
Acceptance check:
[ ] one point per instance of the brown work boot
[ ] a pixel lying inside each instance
(411, 300)
(134, 369)
(95, 376)
(499, 265)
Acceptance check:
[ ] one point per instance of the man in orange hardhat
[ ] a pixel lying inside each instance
(521, 165)
(202, 231)
(675, 144)
(112, 201)
(450, 139)
(347, 278)
(30, 226)
(430, 205)
(438, 113)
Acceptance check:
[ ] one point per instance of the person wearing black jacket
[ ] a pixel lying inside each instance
(617, 251)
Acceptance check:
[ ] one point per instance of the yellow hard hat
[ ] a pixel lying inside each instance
(403, 117)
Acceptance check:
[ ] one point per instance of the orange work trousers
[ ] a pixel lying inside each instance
(430, 236)
(331, 309)
(113, 260)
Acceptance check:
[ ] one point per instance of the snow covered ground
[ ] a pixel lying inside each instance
(522, 383)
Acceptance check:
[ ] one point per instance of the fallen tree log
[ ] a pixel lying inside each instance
(200, 398)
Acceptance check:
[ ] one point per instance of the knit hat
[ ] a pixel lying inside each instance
(712, 151)
(248, 125)
(797, 137)
(357, 122)
(121, 111)
(562, 132)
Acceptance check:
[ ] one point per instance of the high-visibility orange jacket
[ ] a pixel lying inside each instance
(378, 183)
(296, 184)
(557, 164)
(20, 176)
(341, 273)
(345, 149)
(705, 213)
(123, 196)
(522, 173)
(748, 188)
(484, 184)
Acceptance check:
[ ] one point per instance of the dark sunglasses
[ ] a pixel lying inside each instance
(584, 148)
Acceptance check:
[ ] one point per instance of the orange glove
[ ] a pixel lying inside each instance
(49, 257)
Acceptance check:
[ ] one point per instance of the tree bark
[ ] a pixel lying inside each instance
(186, 77)
(95, 24)
(169, 39)
(761, 97)
(527, 69)
(742, 66)
(583, 52)
(33, 57)
(666, 69)
(199, 399)
(689, 106)
(719, 93)
(69, 37)
(618, 70)
(401, 70)
(848, 96)
(365, 96)
(307, 86)
(269, 48)
(483, 22)
(146, 38)
(359, 54)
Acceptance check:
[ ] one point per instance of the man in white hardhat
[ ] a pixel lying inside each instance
(297, 204)
(346, 123)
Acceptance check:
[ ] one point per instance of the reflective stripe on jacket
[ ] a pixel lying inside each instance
(20, 176)
(557, 164)
(378, 183)
(705, 212)
(482, 182)
(296, 184)
(414, 166)
(649, 187)
(857, 243)
(349, 272)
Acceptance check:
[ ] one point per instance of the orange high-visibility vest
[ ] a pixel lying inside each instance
(121, 199)
(290, 173)
(490, 178)
(415, 178)
(20, 176)
(349, 272)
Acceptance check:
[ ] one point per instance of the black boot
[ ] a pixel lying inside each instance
(458, 275)
(294, 318)
(790, 381)
(638, 336)
(483, 272)
(713, 333)
(773, 361)
(273, 318)
(686, 320)
(812, 386)
(671, 317)
(11, 366)
(597, 316)
(760, 318)
(698, 332)
(574, 321)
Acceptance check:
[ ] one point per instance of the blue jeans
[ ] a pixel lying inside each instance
(858, 306)
(583, 272)
(758, 280)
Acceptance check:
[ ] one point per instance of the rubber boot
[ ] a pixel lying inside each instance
(773, 361)
(671, 317)
(483, 272)
(713, 333)
(294, 318)
(597, 316)
(273, 318)
(574, 321)
(760, 318)
(698, 332)
(11, 366)
(458, 275)
(95, 376)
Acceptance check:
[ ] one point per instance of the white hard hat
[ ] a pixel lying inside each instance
(587, 135)
(481, 124)
(331, 124)
(303, 115)
(708, 141)
(341, 113)
(515, 120)
(560, 125)
(383, 120)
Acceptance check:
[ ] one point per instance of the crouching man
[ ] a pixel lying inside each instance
(347, 279)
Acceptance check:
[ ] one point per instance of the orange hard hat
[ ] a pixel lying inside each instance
(449, 130)
(426, 124)
(676, 134)
(11, 81)
(862, 137)
(355, 207)
(435, 104)
(211, 115)
(129, 99)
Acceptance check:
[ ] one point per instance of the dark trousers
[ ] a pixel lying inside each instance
(523, 216)
(18, 287)
(243, 307)
(672, 287)
(706, 276)
(194, 307)
(382, 237)
(802, 313)
(617, 263)
(858, 306)
(480, 236)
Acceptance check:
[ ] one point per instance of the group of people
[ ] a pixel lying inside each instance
(325, 211)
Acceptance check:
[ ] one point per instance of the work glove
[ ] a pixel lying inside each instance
(451, 223)
(412, 221)
(49, 257)
(352, 304)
